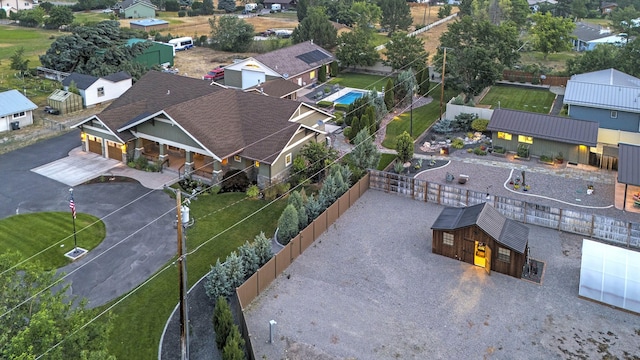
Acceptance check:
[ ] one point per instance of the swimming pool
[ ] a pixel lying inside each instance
(349, 97)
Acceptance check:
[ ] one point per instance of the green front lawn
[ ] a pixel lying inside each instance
(32, 233)
(379, 39)
(141, 317)
(360, 81)
(385, 160)
(519, 98)
(423, 117)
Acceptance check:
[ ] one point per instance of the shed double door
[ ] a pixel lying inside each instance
(468, 249)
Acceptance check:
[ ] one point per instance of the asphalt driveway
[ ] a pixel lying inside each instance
(139, 222)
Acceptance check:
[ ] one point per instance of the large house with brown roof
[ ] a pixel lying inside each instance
(298, 63)
(189, 126)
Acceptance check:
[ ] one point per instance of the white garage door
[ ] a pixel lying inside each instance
(251, 78)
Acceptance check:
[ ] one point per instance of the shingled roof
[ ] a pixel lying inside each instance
(628, 169)
(556, 128)
(276, 87)
(225, 121)
(296, 59)
(82, 81)
(507, 232)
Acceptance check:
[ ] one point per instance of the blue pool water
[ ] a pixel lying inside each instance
(349, 97)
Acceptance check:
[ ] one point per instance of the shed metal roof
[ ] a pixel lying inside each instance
(601, 96)
(507, 232)
(286, 61)
(556, 128)
(12, 102)
(628, 169)
(608, 77)
(149, 22)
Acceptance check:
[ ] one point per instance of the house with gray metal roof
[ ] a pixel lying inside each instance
(16, 110)
(543, 135)
(188, 126)
(481, 236)
(612, 99)
(97, 90)
(587, 36)
(298, 63)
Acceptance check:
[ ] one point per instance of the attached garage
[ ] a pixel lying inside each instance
(95, 144)
(114, 150)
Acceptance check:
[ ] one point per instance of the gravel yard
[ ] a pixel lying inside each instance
(370, 288)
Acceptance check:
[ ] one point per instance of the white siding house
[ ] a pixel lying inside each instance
(16, 110)
(99, 90)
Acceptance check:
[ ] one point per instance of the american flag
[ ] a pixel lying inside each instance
(72, 205)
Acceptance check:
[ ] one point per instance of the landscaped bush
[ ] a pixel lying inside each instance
(249, 257)
(253, 191)
(217, 283)
(342, 107)
(480, 125)
(457, 143)
(324, 104)
(523, 151)
(235, 270)
(478, 151)
(235, 181)
(182, 13)
(499, 150)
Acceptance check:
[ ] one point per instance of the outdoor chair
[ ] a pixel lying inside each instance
(462, 179)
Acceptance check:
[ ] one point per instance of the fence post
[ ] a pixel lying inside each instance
(439, 193)
(593, 219)
(525, 213)
(413, 188)
(560, 220)
(628, 234)
(426, 191)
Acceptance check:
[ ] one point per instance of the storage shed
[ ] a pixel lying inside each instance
(149, 24)
(156, 53)
(65, 101)
(481, 236)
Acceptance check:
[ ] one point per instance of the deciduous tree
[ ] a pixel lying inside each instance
(603, 56)
(551, 33)
(396, 15)
(18, 62)
(58, 16)
(405, 51)
(356, 49)
(227, 5)
(622, 20)
(230, 33)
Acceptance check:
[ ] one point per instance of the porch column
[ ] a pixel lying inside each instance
(188, 163)
(84, 141)
(139, 148)
(161, 154)
(216, 176)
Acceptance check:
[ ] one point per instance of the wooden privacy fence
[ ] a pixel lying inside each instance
(522, 76)
(608, 229)
(262, 278)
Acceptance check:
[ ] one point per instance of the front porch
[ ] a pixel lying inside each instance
(179, 161)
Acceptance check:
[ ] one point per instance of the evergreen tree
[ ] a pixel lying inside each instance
(365, 154)
(425, 83)
(234, 346)
(356, 126)
(396, 15)
(444, 126)
(301, 9)
(329, 192)
(250, 259)
(389, 96)
(404, 147)
(345, 173)
(371, 120)
(217, 283)
(207, 7)
(295, 199)
(317, 27)
(18, 61)
(334, 69)
(263, 248)
(380, 108)
(287, 225)
(314, 208)
(406, 86)
(235, 270)
(222, 321)
(322, 74)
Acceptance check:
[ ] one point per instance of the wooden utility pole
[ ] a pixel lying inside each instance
(182, 271)
(444, 62)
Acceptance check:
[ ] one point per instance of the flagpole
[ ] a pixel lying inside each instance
(72, 205)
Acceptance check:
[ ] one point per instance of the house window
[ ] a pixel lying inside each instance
(100, 91)
(447, 239)
(312, 75)
(614, 114)
(525, 139)
(19, 115)
(504, 255)
(504, 135)
(287, 160)
(236, 158)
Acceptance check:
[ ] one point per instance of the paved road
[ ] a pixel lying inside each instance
(131, 251)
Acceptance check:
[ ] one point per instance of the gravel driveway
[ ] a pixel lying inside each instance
(370, 288)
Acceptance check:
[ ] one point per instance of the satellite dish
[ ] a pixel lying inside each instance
(285, 75)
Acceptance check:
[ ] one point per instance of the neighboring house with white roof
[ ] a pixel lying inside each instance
(612, 99)
(16, 110)
(585, 35)
(534, 5)
(297, 63)
(96, 90)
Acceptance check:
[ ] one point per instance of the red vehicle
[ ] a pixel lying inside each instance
(215, 74)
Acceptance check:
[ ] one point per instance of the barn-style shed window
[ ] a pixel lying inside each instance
(504, 255)
(101, 91)
(447, 239)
